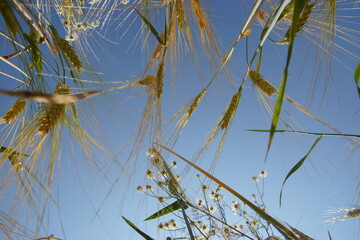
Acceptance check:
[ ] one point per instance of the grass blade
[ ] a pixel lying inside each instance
(298, 7)
(298, 165)
(151, 27)
(357, 77)
(309, 133)
(144, 235)
(256, 209)
(168, 209)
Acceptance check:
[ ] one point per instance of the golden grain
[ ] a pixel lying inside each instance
(14, 111)
(147, 80)
(230, 111)
(196, 101)
(160, 79)
(68, 50)
(180, 13)
(199, 14)
(53, 112)
(261, 83)
(354, 213)
(158, 48)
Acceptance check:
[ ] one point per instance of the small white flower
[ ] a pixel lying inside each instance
(150, 174)
(140, 189)
(174, 164)
(148, 188)
(124, 2)
(161, 199)
(212, 209)
(200, 202)
(253, 196)
(235, 208)
(255, 179)
(263, 174)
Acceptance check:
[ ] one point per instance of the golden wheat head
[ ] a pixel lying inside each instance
(14, 111)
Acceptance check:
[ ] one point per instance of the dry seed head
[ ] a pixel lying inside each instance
(68, 50)
(14, 111)
(160, 79)
(229, 114)
(159, 47)
(196, 101)
(199, 14)
(354, 213)
(180, 13)
(54, 112)
(261, 83)
(147, 81)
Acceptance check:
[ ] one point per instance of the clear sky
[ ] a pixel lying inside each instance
(90, 202)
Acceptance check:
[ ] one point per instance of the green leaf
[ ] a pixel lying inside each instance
(308, 133)
(357, 77)
(168, 209)
(298, 7)
(144, 235)
(151, 27)
(298, 165)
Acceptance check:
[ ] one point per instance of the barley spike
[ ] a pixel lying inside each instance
(71, 54)
(54, 112)
(261, 83)
(180, 13)
(354, 213)
(14, 111)
(147, 80)
(160, 79)
(230, 111)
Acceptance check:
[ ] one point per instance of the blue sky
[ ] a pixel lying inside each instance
(328, 179)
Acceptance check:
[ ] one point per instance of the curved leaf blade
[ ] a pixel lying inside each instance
(168, 209)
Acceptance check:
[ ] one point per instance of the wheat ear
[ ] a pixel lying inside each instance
(260, 82)
(14, 111)
(54, 112)
(230, 111)
(68, 50)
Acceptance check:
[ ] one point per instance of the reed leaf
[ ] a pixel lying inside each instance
(151, 27)
(298, 7)
(298, 165)
(144, 235)
(168, 209)
(357, 78)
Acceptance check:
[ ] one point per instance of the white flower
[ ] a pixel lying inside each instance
(263, 174)
(255, 179)
(148, 188)
(204, 228)
(124, 2)
(200, 202)
(140, 189)
(212, 209)
(235, 208)
(161, 199)
(150, 174)
(174, 164)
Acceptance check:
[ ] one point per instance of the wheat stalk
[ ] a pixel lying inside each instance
(260, 82)
(14, 111)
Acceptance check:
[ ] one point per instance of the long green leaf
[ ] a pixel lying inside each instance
(298, 165)
(309, 133)
(151, 27)
(168, 209)
(256, 209)
(357, 78)
(298, 7)
(144, 235)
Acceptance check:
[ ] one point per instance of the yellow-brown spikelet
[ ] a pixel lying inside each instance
(354, 213)
(159, 47)
(160, 79)
(68, 50)
(195, 102)
(147, 80)
(180, 13)
(260, 82)
(14, 111)
(53, 112)
(199, 14)
(230, 111)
